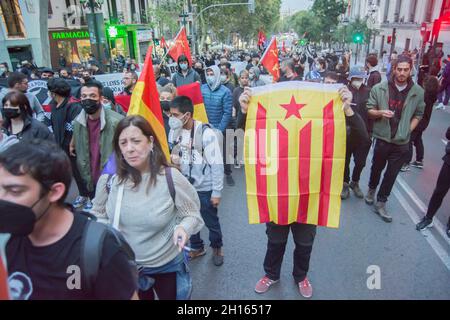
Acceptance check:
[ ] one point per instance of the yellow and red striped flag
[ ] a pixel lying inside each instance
(145, 102)
(194, 92)
(295, 154)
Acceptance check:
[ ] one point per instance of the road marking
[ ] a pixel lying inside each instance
(423, 208)
(440, 251)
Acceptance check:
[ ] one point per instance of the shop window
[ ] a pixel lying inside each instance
(12, 18)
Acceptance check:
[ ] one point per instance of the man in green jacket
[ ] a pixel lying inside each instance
(93, 132)
(396, 105)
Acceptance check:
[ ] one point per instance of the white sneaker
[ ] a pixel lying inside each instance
(440, 106)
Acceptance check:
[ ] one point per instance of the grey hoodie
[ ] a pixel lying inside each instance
(256, 82)
(217, 81)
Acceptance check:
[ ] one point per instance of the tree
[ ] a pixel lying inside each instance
(165, 16)
(345, 33)
(304, 21)
(328, 13)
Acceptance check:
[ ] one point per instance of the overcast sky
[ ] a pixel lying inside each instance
(295, 5)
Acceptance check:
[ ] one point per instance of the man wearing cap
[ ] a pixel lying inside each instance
(355, 147)
(47, 73)
(397, 106)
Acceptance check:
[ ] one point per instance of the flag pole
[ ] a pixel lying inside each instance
(265, 52)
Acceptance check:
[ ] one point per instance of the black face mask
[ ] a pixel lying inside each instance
(16, 219)
(90, 106)
(87, 79)
(165, 105)
(11, 113)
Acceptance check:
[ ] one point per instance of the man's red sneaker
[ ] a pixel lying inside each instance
(305, 288)
(264, 284)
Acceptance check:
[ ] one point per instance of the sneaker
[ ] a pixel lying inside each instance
(237, 165)
(264, 284)
(197, 253)
(230, 180)
(305, 288)
(356, 189)
(79, 202)
(218, 256)
(345, 191)
(370, 196)
(405, 168)
(380, 209)
(440, 106)
(424, 223)
(88, 205)
(417, 164)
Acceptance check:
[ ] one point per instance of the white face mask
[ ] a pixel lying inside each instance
(357, 83)
(175, 123)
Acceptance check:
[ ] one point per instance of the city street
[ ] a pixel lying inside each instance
(408, 259)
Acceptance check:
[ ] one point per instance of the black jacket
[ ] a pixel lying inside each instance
(61, 121)
(446, 158)
(374, 78)
(430, 99)
(359, 104)
(32, 129)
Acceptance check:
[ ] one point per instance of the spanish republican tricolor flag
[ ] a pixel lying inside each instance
(194, 92)
(145, 102)
(295, 154)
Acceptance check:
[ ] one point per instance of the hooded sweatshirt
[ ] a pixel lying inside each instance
(256, 82)
(218, 102)
(179, 79)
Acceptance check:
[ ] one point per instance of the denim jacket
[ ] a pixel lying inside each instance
(178, 265)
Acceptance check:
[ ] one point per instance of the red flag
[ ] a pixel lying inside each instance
(270, 60)
(181, 46)
(145, 102)
(163, 43)
(4, 295)
(124, 101)
(261, 38)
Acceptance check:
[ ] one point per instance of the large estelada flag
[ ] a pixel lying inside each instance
(295, 154)
(145, 102)
(194, 92)
(270, 60)
(4, 293)
(181, 46)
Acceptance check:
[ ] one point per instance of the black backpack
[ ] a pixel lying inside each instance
(92, 243)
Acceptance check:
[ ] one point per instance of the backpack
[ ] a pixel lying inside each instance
(92, 244)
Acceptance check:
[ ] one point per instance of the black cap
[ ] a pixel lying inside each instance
(48, 70)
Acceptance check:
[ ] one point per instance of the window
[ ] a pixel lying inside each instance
(12, 18)
(386, 10)
(50, 9)
(397, 10)
(412, 13)
(429, 11)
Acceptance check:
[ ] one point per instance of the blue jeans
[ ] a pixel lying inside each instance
(444, 94)
(209, 215)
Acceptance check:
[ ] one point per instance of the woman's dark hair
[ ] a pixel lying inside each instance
(157, 158)
(43, 160)
(183, 104)
(323, 63)
(15, 78)
(17, 99)
(59, 86)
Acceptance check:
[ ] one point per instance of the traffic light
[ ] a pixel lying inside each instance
(389, 39)
(251, 6)
(303, 42)
(358, 37)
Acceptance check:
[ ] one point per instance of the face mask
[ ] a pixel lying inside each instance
(165, 105)
(86, 79)
(175, 123)
(90, 106)
(251, 76)
(210, 80)
(17, 219)
(318, 66)
(107, 106)
(11, 113)
(183, 66)
(223, 78)
(357, 83)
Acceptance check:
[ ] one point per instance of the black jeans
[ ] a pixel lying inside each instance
(359, 153)
(416, 140)
(442, 187)
(227, 166)
(394, 156)
(82, 189)
(165, 287)
(277, 235)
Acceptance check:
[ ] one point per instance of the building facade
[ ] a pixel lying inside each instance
(123, 30)
(398, 22)
(20, 35)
